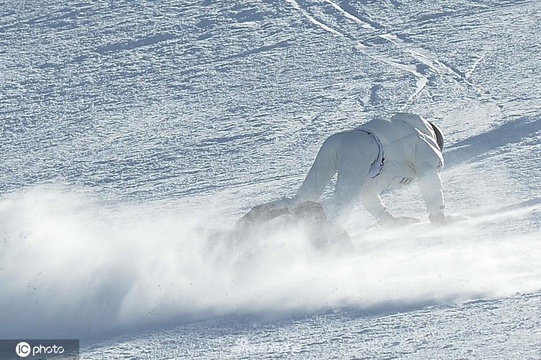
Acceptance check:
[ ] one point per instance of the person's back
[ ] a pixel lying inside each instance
(406, 138)
(398, 127)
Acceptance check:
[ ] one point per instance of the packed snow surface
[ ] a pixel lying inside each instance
(135, 134)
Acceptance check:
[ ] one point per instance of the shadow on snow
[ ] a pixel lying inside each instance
(512, 132)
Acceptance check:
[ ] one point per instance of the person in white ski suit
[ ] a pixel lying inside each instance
(378, 155)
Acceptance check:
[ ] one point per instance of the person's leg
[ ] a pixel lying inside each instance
(321, 172)
(356, 153)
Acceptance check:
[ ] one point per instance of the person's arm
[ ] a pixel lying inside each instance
(431, 190)
(428, 165)
(372, 202)
(374, 205)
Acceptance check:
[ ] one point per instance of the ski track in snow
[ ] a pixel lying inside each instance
(313, 20)
(133, 132)
(419, 55)
(365, 49)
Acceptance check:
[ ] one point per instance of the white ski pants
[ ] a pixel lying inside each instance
(350, 154)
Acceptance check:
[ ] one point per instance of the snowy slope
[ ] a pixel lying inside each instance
(129, 126)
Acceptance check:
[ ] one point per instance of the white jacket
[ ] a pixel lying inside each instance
(410, 151)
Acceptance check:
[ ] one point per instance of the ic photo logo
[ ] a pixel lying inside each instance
(49, 349)
(65, 349)
(23, 349)
(38, 350)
